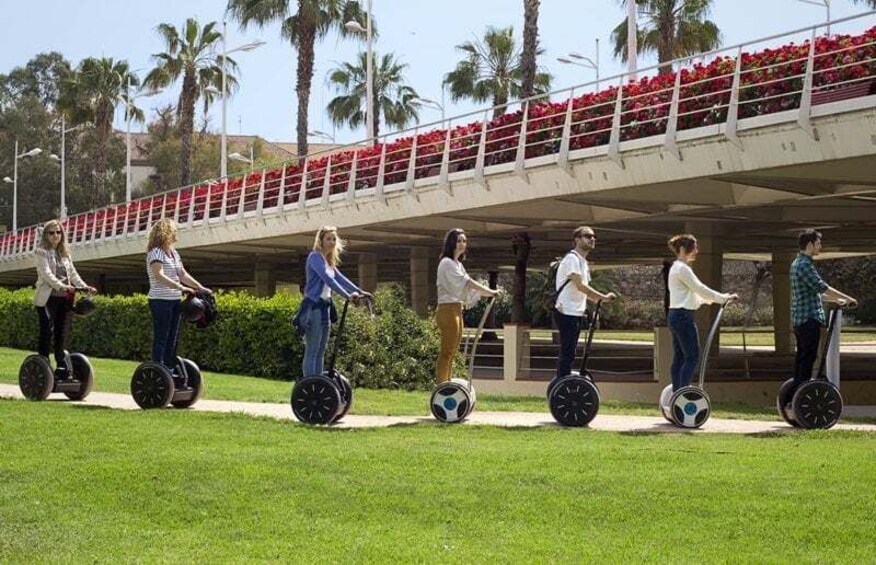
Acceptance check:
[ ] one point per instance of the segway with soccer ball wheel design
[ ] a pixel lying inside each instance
(325, 398)
(817, 403)
(452, 401)
(75, 378)
(690, 406)
(574, 399)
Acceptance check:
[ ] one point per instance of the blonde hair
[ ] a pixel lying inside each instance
(163, 233)
(63, 248)
(333, 259)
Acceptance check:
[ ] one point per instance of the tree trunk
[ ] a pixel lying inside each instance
(103, 127)
(376, 107)
(530, 47)
(500, 101)
(306, 42)
(521, 247)
(665, 50)
(186, 127)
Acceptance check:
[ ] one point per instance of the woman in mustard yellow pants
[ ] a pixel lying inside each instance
(454, 287)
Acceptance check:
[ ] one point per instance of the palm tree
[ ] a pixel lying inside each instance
(392, 97)
(871, 3)
(492, 71)
(90, 95)
(528, 66)
(672, 28)
(189, 53)
(302, 23)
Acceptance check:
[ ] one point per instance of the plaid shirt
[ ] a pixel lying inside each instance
(807, 286)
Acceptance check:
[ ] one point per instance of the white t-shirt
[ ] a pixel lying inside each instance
(451, 281)
(687, 291)
(171, 265)
(571, 301)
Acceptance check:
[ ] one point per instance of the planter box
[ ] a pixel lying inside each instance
(845, 92)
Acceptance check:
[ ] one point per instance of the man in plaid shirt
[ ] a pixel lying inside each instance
(807, 314)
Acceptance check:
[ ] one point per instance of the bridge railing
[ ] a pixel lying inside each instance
(718, 88)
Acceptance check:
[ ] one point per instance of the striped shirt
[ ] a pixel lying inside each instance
(807, 286)
(172, 266)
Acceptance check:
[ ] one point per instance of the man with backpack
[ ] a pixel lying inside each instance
(572, 286)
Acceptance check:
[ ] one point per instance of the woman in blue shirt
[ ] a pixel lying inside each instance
(323, 277)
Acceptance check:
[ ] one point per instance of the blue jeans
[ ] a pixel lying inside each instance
(315, 340)
(570, 331)
(165, 330)
(685, 346)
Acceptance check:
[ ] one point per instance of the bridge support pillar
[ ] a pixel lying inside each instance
(421, 279)
(708, 267)
(368, 271)
(782, 301)
(265, 280)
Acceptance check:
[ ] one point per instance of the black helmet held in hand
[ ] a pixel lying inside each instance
(84, 306)
(210, 312)
(193, 309)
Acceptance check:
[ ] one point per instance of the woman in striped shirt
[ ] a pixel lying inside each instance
(168, 280)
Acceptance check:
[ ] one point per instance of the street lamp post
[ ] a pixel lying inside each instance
(574, 57)
(632, 39)
(63, 160)
(826, 4)
(322, 134)
(241, 159)
(429, 103)
(14, 181)
(128, 100)
(224, 55)
(369, 71)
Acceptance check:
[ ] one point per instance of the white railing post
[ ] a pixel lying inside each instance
(730, 129)
(351, 181)
(805, 111)
(94, 229)
(176, 207)
(116, 222)
(260, 203)
(326, 182)
(223, 213)
(520, 163)
(151, 213)
(412, 167)
(191, 218)
(444, 180)
(282, 190)
(241, 204)
(614, 139)
(381, 171)
(566, 138)
(672, 123)
(481, 159)
(302, 193)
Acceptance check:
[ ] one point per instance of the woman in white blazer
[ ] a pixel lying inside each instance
(57, 280)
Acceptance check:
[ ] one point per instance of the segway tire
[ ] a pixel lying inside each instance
(196, 383)
(82, 372)
(35, 378)
(452, 401)
(783, 403)
(315, 400)
(665, 395)
(690, 407)
(574, 401)
(345, 389)
(152, 386)
(817, 404)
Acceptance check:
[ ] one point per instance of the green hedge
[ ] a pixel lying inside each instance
(253, 336)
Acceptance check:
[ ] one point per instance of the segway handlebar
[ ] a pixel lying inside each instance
(707, 345)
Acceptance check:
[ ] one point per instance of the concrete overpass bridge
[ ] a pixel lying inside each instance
(743, 146)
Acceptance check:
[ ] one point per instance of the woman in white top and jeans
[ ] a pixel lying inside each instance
(686, 294)
(454, 287)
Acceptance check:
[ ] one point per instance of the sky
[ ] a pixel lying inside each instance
(422, 33)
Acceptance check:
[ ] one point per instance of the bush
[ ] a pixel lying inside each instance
(252, 336)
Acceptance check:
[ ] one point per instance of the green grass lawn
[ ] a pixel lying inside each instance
(94, 485)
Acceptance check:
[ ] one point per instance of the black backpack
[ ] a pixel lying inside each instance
(549, 292)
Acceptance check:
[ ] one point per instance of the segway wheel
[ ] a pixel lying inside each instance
(152, 386)
(346, 392)
(690, 407)
(196, 382)
(574, 401)
(783, 403)
(452, 401)
(315, 400)
(817, 405)
(665, 395)
(35, 378)
(82, 372)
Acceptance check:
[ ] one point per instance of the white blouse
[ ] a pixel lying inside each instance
(687, 291)
(452, 279)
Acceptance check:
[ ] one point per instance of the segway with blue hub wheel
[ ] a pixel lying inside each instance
(690, 406)
(325, 398)
(452, 401)
(574, 399)
(75, 379)
(817, 403)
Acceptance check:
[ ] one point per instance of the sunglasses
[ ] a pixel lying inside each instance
(54, 232)
(588, 236)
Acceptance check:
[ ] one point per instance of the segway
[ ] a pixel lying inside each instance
(452, 401)
(38, 380)
(817, 403)
(155, 386)
(574, 399)
(325, 398)
(690, 406)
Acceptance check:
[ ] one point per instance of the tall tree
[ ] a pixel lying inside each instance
(491, 71)
(671, 28)
(90, 96)
(302, 23)
(190, 54)
(392, 96)
(528, 65)
(870, 3)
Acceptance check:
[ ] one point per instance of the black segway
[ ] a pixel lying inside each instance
(325, 398)
(574, 399)
(690, 406)
(817, 403)
(155, 386)
(452, 401)
(75, 379)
